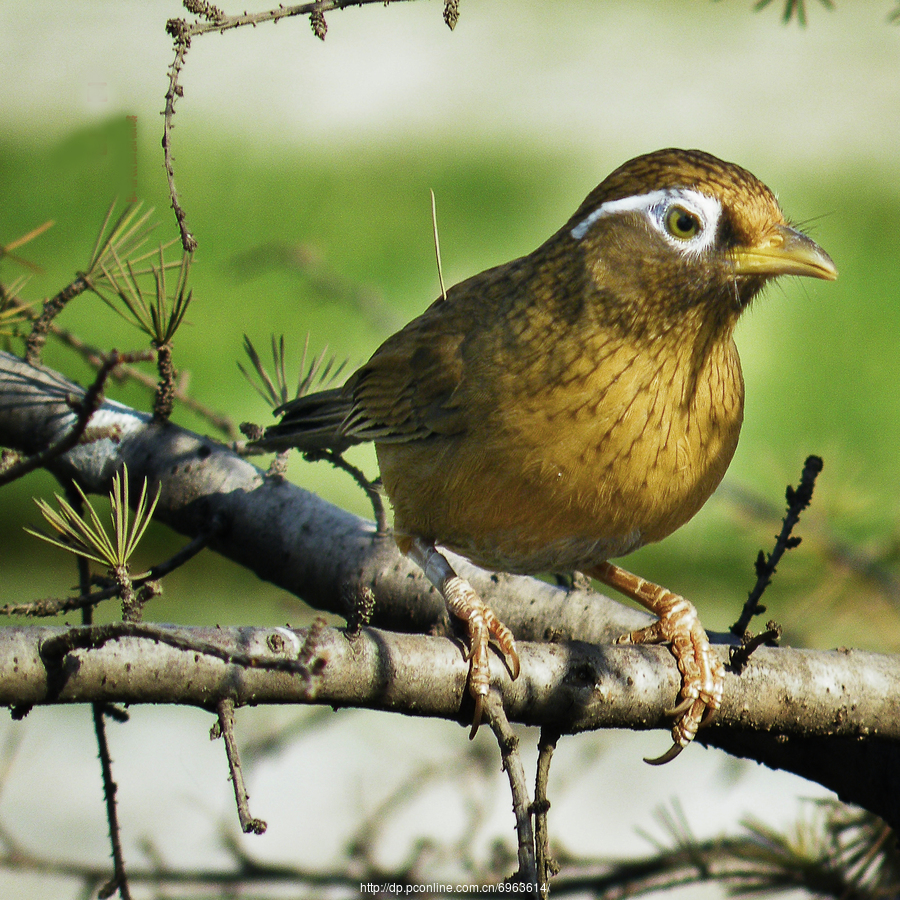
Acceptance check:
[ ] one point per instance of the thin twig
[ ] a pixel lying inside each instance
(119, 881)
(738, 657)
(36, 339)
(182, 37)
(798, 499)
(546, 865)
(212, 19)
(225, 729)
(56, 605)
(55, 648)
(372, 488)
(94, 357)
(870, 564)
(222, 23)
(758, 862)
(515, 771)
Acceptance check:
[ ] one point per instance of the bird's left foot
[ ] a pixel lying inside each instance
(702, 672)
(465, 604)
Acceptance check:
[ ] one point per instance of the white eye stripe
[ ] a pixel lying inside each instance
(612, 207)
(656, 205)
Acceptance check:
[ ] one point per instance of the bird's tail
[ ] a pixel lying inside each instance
(313, 422)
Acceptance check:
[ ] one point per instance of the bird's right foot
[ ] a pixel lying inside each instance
(702, 672)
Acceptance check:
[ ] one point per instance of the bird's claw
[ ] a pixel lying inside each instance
(666, 757)
(465, 604)
(476, 717)
(676, 712)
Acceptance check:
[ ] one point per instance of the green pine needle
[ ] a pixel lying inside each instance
(319, 372)
(12, 314)
(117, 276)
(85, 535)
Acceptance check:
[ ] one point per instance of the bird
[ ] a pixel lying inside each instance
(565, 408)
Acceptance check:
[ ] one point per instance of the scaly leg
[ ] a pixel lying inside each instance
(465, 604)
(702, 672)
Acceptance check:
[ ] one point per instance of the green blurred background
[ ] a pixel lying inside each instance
(304, 169)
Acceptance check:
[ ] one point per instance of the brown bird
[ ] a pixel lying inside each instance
(574, 404)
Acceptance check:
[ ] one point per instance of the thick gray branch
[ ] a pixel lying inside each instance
(571, 685)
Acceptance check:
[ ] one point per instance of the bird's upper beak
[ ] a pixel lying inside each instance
(784, 251)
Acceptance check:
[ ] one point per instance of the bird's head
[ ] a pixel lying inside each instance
(677, 233)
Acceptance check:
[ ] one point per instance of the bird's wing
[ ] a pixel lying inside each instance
(312, 422)
(407, 390)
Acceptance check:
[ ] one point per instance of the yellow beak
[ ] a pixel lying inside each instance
(784, 251)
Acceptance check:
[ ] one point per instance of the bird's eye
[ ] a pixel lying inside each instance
(683, 224)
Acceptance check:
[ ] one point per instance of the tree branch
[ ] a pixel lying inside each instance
(570, 685)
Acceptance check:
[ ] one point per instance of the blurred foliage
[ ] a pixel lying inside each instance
(340, 246)
(794, 9)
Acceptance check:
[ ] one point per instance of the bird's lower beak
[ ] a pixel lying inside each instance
(785, 251)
